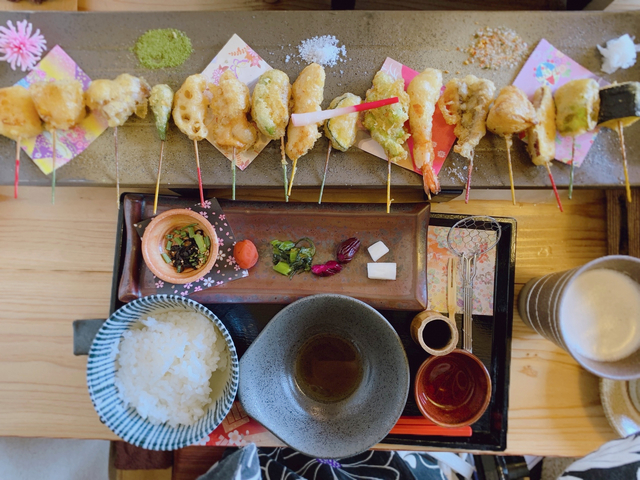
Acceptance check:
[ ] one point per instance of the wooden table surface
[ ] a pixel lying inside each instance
(57, 267)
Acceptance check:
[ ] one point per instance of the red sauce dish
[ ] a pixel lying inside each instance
(453, 390)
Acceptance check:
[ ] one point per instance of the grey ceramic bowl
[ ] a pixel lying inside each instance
(269, 392)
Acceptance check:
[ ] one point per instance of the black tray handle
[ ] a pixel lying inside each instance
(83, 333)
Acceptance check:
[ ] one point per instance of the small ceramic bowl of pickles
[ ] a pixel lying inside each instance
(180, 246)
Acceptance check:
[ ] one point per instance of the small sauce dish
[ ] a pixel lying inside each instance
(154, 243)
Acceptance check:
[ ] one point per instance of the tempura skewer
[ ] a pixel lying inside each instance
(231, 130)
(511, 113)
(53, 164)
(340, 130)
(160, 101)
(619, 108)
(541, 138)
(189, 111)
(386, 124)
(577, 105)
(465, 104)
(284, 169)
(117, 100)
(307, 93)
(17, 169)
(424, 92)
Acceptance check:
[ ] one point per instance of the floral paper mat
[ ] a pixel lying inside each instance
(438, 255)
(225, 269)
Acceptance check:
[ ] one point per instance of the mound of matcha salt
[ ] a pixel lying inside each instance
(163, 48)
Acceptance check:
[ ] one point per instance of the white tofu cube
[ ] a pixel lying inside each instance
(377, 251)
(381, 271)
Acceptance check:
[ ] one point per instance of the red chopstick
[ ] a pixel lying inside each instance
(423, 426)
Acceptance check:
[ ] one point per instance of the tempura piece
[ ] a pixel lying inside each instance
(190, 107)
(511, 113)
(386, 124)
(578, 106)
(161, 101)
(60, 104)
(189, 111)
(230, 106)
(18, 115)
(270, 103)
(341, 130)
(307, 93)
(424, 92)
(465, 104)
(270, 110)
(18, 119)
(541, 138)
(118, 99)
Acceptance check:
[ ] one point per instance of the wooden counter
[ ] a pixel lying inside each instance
(57, 267)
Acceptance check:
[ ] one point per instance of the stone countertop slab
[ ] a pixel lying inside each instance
(100, 43)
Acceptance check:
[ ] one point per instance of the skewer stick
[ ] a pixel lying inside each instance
(324, 177)
(624, 161)
(195, 146)
(466, 194)
(155, 199)
(573, 151)
(293, 174)
(233, 174)
(388, 185)
(17, 175)
(53, 162)
(513, 191)
(553, 184)
(284, 169)
(115, 137)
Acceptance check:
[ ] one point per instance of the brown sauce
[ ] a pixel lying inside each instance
(449, 385)
(328, 368)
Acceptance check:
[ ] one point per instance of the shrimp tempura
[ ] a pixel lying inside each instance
(424, 91)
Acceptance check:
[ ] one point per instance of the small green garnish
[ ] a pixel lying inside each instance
(200, 242)
(207, 241)
(191, 232)
(166, 257)
(296, 258)
(169, 243)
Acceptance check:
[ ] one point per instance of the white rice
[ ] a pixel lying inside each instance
(164, 366)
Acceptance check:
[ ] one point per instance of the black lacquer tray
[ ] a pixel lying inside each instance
(491, 335)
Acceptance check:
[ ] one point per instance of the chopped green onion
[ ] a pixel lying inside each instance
(169, 245)
(293, 254)
(200, 242)
(166, 257)
(282, 268)
(191, 232)
(177, 241)
(169, 236)
(179, 268)
(207, 241)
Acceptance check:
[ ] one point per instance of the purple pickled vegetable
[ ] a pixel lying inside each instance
(348, 249)
(327, 269)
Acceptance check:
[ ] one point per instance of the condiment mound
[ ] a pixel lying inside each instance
(327, 225)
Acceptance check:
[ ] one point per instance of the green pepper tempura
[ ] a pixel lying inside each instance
(386, 124)
(290, 258)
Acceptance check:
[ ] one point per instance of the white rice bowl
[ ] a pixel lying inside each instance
(164, 365)
(162, 372)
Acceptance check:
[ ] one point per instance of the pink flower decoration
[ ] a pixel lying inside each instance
(19, 47)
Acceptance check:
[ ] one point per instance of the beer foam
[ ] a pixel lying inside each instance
(600, 315)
